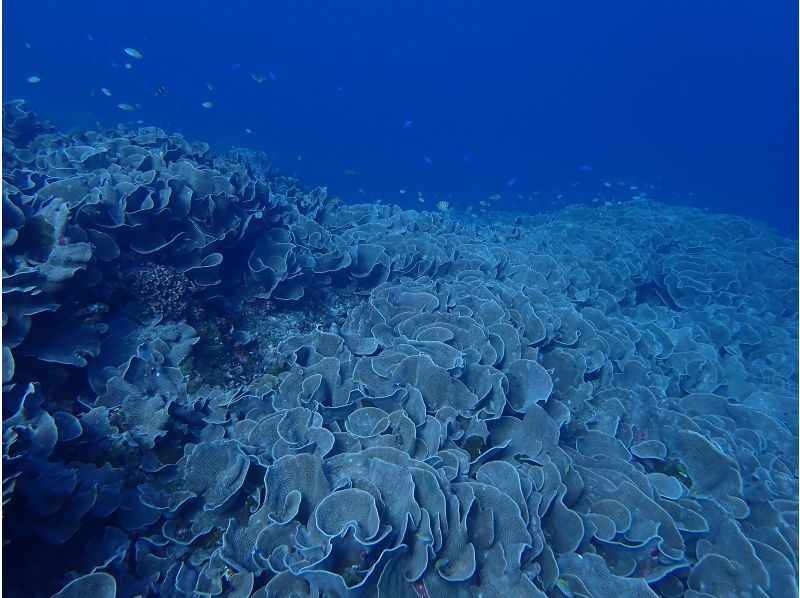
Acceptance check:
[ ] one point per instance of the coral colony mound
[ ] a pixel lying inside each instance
(218, 382)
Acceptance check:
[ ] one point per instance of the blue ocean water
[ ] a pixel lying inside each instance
(407, 300)
(698, 101)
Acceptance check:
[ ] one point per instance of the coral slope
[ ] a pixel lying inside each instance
(218, 382)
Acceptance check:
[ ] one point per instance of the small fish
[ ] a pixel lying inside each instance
(421, 199)
(34, 79)
(340, 88)
(259, 77)
(484, 203)
(134, 53)
(210, 86)
(236, 65)
(607, 184)
(207, 104)
(494, 197)
(351, 173)
(299, 157)
(563, 585)
(91, 310)
(128, 107)
(444, 206)
(105, 91)
(466, 158)
(585, 168)
(510, 182)
(248, 131)
(427, 160)
(28, 45)
(408, 123)
(402, 191)
(272, 76)
(128, 65)
(90, 37)
(160, 91)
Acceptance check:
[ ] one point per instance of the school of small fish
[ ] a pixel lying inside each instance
(483, 205)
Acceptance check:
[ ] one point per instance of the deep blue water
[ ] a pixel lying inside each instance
(222, 381)
(694, 102)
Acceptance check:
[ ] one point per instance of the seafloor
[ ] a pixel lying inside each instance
(218, 382)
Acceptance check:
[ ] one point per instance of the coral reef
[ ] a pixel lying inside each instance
(369, 401)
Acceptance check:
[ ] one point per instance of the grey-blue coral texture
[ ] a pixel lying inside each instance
(217, 382)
